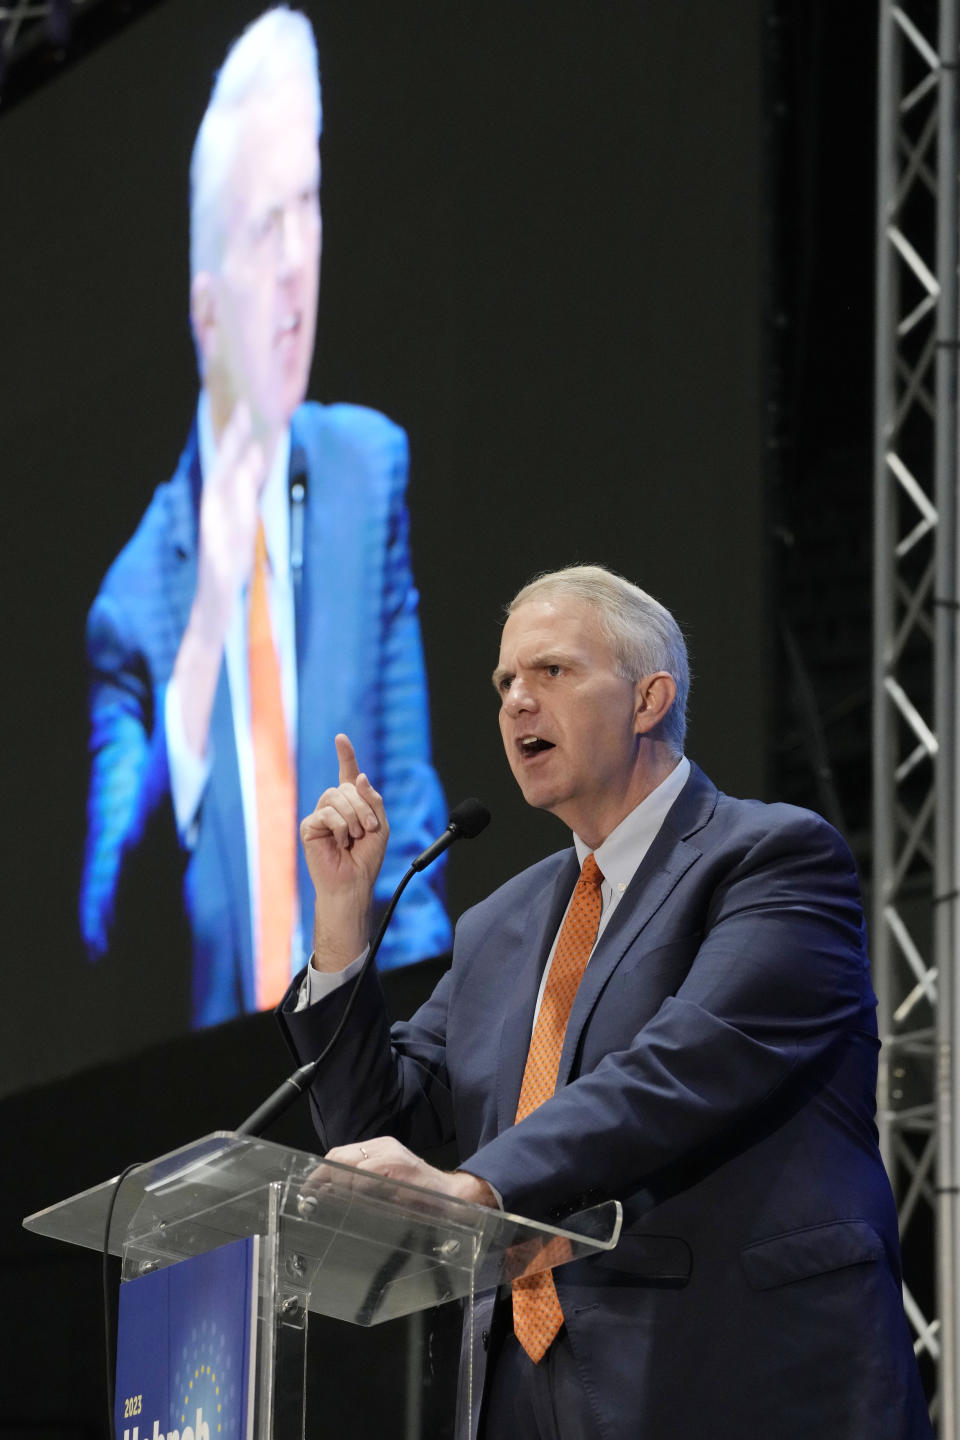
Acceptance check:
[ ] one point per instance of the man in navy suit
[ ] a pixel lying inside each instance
(183, 808)
(717, 1072)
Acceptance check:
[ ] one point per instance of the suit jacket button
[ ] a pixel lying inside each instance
(485, 1338)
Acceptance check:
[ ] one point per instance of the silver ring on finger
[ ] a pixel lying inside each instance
(364, 1153)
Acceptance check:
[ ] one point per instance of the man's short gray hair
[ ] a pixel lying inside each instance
(642, 633)
(274, 52)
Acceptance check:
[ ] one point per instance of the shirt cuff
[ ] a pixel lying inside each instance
(318, 984)
(188, 772)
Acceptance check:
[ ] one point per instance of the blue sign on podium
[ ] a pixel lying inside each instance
(186, 1348)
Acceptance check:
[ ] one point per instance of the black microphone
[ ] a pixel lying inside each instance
(298, 498)
(466, 821)
(299, 474)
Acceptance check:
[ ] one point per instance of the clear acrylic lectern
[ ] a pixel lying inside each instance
(334, 1240)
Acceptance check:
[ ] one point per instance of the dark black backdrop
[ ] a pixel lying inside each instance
(543, 254)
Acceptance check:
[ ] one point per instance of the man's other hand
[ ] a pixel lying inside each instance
(387, 1157)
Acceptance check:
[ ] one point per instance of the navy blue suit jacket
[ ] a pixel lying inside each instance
(360, 670)
(718, 1078)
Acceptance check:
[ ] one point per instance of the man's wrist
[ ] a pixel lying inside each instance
(331, 959)
(474, 1190)
(206, 632)
(339, 939)
(315, 964)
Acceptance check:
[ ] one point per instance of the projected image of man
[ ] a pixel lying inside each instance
(266, 600)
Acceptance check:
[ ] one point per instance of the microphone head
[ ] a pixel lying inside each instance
(469, 818)
(299, 474)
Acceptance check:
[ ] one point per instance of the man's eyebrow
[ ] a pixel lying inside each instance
(553, 657)
(536, 662)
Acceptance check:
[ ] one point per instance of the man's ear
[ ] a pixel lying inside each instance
(203, 316)
(653, 696)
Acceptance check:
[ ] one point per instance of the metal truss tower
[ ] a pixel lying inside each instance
(916, 808)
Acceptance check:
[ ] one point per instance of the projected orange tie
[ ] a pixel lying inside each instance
(276, 795)
(536, 1310)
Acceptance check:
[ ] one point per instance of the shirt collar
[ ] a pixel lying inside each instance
(274, 501)
(624, 848)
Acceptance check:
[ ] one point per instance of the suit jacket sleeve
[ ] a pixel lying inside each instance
(376, 1082)
(130, 810)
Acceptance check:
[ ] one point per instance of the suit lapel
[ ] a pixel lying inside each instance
(664, 865)
(536, 931)
(648, 890)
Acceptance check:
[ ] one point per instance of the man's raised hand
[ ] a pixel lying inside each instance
(229, 511)
(344, 840)
(228, 526)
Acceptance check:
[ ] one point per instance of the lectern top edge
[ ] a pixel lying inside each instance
(223, 1166)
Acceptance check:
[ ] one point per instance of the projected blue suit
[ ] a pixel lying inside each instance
(717, 1077)
(360, 669)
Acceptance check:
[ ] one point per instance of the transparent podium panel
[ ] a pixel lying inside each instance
(336, 1241)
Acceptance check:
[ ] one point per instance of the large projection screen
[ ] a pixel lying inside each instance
(542, 235)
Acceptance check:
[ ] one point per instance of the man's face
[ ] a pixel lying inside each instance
(568, 720)
(264, 298)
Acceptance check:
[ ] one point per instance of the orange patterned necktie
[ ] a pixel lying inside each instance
(537, 1316)
(276, 795)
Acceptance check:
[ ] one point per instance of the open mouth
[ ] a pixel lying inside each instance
(534, 745)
